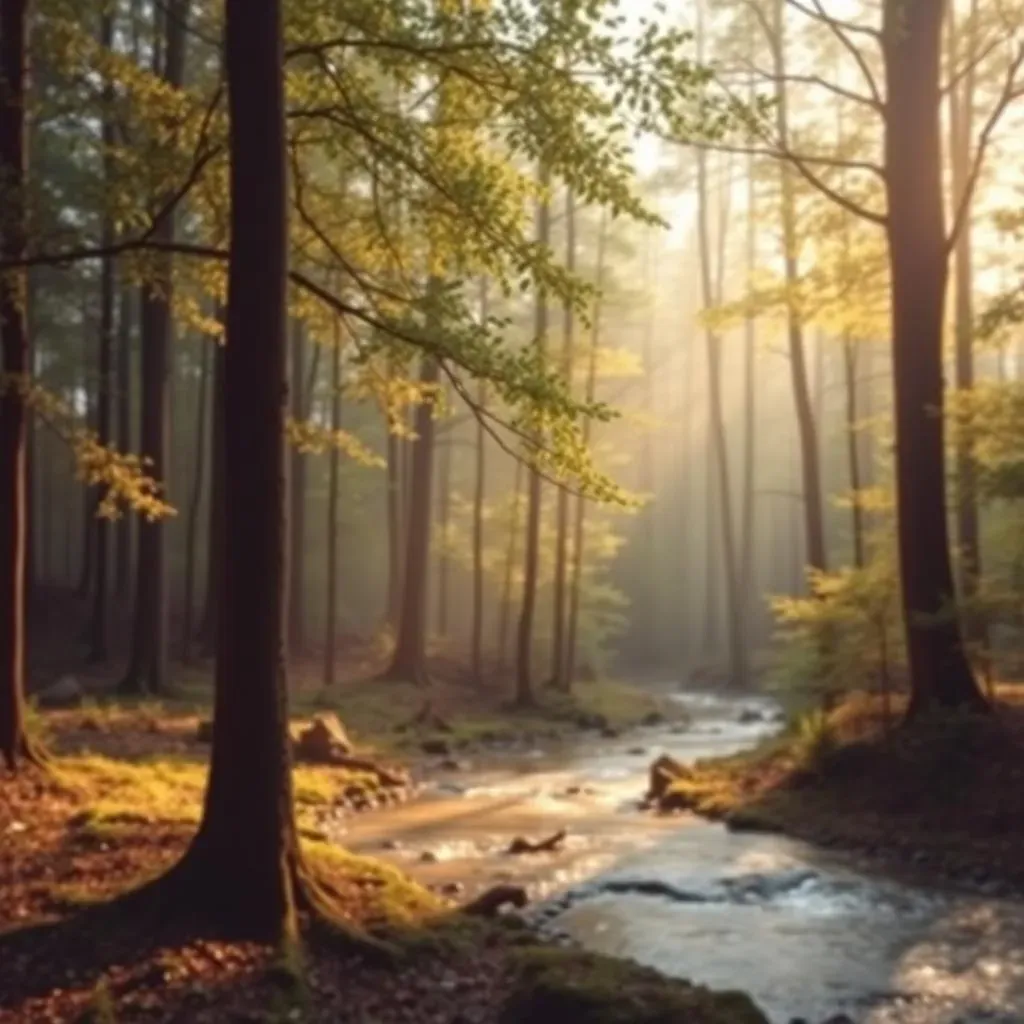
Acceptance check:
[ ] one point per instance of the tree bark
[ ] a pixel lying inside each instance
(395, 532)
(209, 628)
(853, 448)
(961, 128)
(195, 503)
(123, 551)
(331, 628)
(719, 450)
(558, 678)
(807, 430)
(576, 579)
(511, 557)
(479, 494)
(409, 662)
(98, 646)
(297, 499)
(15, 745)
(148, 666)
(524, 638)
(940, 675)
(444, 486)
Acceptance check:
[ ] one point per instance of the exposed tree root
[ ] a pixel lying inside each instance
(25, 753)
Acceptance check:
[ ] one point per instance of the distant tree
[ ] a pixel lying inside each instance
(333, 500)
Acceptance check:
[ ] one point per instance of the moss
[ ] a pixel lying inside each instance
(555, 987)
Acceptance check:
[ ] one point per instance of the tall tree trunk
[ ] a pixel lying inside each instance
(807, 430)
(524, 637)
(853, 448)
(444, 487)
(590, 390)
(331, 627)
(395, 531)
(147, 669)
(719, 450)
(749, 406)
(961, 127)
(511, 557)
(209, 629)
(479, 494)
(123, 561)
(15, 745)
(195, 503)
(558, 678)
(912, 43)
(297, 502)
(409, 662)
(98, 647)
(245, 863)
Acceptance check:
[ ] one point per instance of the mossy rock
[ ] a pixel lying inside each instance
(556, 986)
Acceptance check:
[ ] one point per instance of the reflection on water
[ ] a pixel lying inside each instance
(803, 932)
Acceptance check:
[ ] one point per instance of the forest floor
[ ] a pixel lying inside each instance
(944, 798)
(119, 806)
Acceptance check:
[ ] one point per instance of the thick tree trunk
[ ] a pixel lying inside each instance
(940, 675)
(245, 860)
(148, 666)
(208, 631)
(195, 503)
(123, 553)
(409, 662)
(98, 647)
(297, 501)
(524, 636)
(395, 532)
(331, 627)
(15, 745)
(590, 390)
(558, 678)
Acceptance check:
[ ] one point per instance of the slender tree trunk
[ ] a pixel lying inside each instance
(395, 532)
(409, 662)
(195, 503)
(853, 449)
(940, 675)
(558, 678)
(148, 669)
(123, 564)
(90, 501)
(333, 568)
(511, 557)
(749, 406)
(961, 125)
(297, 499)
(807, 430)
(524, 639)
(98, 646)
(209, 629)
(444, 486)
(15, 745)
(479, 495)
(719, 450)
(576, 577)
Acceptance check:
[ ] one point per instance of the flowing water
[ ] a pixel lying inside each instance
(808, 934)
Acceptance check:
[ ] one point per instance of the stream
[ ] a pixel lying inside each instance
(810, 935)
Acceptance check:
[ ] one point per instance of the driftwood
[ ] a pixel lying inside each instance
(549, 845)
(663, 772)
(494, 900)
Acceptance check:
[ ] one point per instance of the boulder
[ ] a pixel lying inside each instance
(653, 718)
(437, 747)
(67, 692)
(323, 741)
(748, 716)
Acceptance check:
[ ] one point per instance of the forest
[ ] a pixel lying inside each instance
(511, 510)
